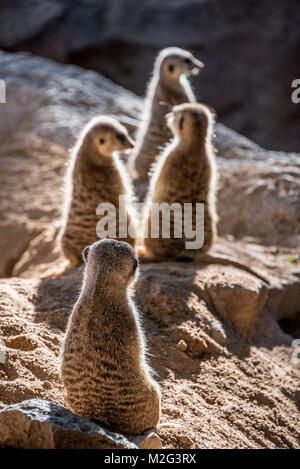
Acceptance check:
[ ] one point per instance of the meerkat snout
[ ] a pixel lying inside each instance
(176, 62)
(170, 85)
(108, 138)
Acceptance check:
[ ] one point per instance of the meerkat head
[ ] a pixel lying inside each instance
(107, 135)
(191, 120)
(114, 260)
(174, 62)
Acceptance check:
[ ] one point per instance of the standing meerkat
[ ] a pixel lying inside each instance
(103, 365)
(186, 172)
(96, 175)
(169, 86)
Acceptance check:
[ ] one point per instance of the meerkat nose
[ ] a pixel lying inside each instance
(197, 66)
(198, 63)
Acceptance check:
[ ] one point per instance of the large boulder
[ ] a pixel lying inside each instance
(258, 190)
(245, 80)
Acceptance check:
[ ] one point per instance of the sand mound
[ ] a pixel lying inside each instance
(221, 390)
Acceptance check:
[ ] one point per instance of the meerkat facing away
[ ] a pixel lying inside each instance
(169, 86)
(103, 365)
(186, 172)
(96, 175)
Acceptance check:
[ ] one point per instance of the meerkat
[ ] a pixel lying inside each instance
(186, 172)
(102, 362)
(168, 87)
(96, 175)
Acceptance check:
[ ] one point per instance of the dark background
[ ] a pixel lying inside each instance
(251, 50)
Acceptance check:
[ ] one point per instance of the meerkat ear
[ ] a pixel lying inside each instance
(214, 113)
(135, 265)
(181, 122)
(85, 253)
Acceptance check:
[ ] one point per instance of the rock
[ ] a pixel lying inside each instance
(40, 424)
(150, 441)
(42, 250)
(217, 332)
(259, 195)
(230, 38)
(284, 300)
(241, 305)
(41, 101)
(34, 19)
(14, 240)
(185, 441)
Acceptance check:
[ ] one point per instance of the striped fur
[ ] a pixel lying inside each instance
(184, 173)
(166, 88)
(103, 364)
(96, 175)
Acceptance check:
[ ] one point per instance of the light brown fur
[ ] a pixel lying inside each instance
(169, 86)
(103, 365)
(185, 173)
(96, 175)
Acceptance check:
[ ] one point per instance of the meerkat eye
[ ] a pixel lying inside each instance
(171, 67)
(180, 123)
(187, 61)
(102, 141)
(121, 138)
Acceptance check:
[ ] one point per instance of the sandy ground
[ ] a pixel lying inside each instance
(221, 391)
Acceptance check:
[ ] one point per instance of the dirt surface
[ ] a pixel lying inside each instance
(220, 339)
(220, 390)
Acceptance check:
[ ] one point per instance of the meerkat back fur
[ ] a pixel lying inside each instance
(96, 175)
(184, 173)
(169, 86)
(103, 364)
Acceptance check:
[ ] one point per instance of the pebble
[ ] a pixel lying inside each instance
(182, 345)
